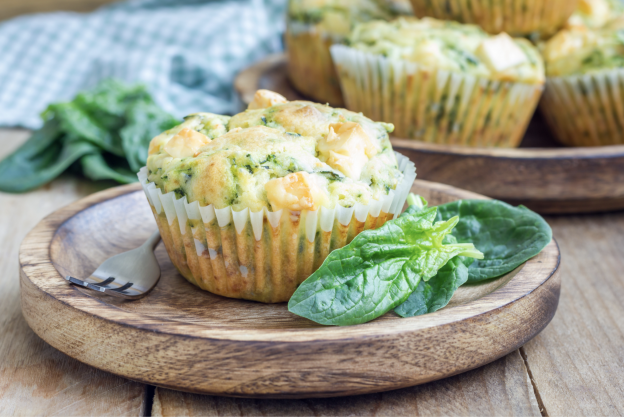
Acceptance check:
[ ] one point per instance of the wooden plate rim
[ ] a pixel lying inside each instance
(38, 263)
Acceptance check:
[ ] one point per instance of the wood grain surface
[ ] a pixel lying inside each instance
(36, 379)
(578, 362)
(501, 388)
(548, 180)
(178, 334)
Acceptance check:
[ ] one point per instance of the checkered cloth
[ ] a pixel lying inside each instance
(186, 51)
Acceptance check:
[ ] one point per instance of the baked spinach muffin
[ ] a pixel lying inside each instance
(441, 81)
(249, 206)
(313, 26)
(584, 98)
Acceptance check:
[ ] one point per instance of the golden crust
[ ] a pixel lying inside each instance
(259, 145)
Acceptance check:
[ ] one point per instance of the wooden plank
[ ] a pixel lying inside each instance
(36, 379)
(500, 388)
(12, 8)
(577, 362)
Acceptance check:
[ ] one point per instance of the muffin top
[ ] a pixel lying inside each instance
(337, 17)
(276, 155)
(595, 14)
(580, 50)
(451, 46)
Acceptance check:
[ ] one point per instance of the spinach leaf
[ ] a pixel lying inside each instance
(40, 159)
(108, 129)
(378, 270)
(144, 120)
(95, 167)
(78, 122)
(436, 293)
(508, 236)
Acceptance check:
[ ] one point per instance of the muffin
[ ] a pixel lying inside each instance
(534, 18)
(249, 206)
(313, 26)
(594, 14)
(583, 101)
(440, 81)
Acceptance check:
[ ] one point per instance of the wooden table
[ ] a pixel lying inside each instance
(574, 367)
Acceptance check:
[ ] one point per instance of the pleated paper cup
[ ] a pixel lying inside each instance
(310, 67)
(262, 256)
(516, 17)
(435, 106)
(586, 110)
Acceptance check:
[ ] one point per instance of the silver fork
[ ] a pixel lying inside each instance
(130, 275)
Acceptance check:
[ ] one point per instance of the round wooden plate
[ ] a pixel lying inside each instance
(183, 338)
(541, 174)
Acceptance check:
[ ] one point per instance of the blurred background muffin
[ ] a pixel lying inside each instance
(535, 18)
(583, 101)
(595, 14)
(441, 81)
(313, 26)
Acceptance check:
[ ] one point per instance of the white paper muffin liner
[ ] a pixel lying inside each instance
(586, 110)
(262, 255)
(432, 105)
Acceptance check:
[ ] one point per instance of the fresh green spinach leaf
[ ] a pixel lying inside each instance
(108, 129)
(41, 159)
(508, 236)
(378, 270)
(96, 168)
(436, 293)
(144, 120)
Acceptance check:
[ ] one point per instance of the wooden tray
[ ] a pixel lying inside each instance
(541, 174)
(183, 338)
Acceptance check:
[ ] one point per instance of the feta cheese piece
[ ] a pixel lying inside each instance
(500, 53)
(186, 143)
(265, 98)
(347, 148)
(428, 53)
(598, 11)
(296, 191)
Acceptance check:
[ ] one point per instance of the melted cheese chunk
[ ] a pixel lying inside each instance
(347, 148)
(296, 191)
(500, 53)
(568, 42)
(428, 53)
(265, 98)
(186, 143)
(591, 13)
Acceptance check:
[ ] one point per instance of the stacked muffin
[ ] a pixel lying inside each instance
(451, 82)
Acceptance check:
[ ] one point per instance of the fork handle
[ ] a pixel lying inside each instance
(152, 241)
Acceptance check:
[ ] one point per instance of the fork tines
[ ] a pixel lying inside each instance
(100, 286)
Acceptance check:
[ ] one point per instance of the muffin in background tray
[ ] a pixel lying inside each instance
(534, 18)
(440, 81)
(313, 26)
(583, 102)
(249, 206)
(594, 14)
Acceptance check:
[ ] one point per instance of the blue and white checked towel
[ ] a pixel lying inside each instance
(186, 51)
